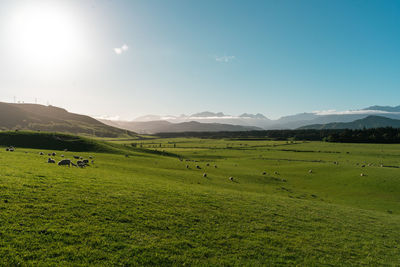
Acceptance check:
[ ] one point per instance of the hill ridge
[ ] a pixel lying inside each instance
(36, 117)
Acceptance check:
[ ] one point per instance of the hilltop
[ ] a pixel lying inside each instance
(53, 119)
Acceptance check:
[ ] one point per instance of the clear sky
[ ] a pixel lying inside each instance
(131, 58)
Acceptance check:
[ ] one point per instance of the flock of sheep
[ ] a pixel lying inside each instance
(231, 178)
(310, 171)
(199, 168)
(81, 162)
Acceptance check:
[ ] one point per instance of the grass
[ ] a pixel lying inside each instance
(149, 209)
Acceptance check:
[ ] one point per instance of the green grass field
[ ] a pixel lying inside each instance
(150, 209)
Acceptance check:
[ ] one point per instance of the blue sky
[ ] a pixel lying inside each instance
(272, 57)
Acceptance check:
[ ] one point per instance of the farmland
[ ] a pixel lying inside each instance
(289, 203)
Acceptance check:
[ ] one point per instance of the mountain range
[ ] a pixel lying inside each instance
(254, 120)
(54, 119)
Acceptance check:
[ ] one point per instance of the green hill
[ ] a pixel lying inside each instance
(368, 123)
(53, 119)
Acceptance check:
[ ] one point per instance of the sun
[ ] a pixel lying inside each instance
(44, 37)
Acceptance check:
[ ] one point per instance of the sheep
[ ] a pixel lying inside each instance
(80, 164)
(86, 161)
(198, 167)
(50, 160)
(204, 175)
(41, 153)
(264, 173)
(62, 156)
(362, 174)
(231, 179)
(310, 171)
(76, 157)
(53, 154)
(65, 162)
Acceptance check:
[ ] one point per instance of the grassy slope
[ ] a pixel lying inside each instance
(57, 141)
(148, 209)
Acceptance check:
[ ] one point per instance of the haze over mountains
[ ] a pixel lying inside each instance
(152, 127)
(157, 123)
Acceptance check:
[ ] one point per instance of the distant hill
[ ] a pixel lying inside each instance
(53, 119)
(384, 108)
(151, 127)
(368, 122)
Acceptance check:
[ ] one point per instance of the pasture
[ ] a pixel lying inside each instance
(302, 203)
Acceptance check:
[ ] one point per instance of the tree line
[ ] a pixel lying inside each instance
(373, 135)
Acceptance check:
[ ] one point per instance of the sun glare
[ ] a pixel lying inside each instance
(44, 37)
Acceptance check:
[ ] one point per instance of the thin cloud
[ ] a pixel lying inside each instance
(225, 59)
(122, 49)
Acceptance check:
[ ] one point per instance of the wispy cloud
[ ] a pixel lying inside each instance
(224, 59)
(122, 49)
